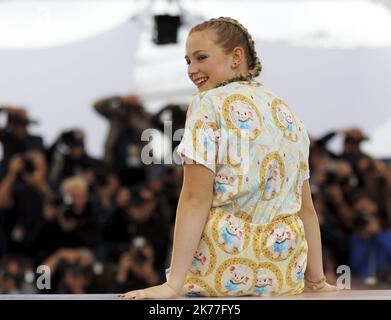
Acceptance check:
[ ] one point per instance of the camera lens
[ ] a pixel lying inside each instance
(361, 220)
(28, 165)
(139, 258)
(139, 243)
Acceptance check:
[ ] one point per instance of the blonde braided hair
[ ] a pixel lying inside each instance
(230, 34)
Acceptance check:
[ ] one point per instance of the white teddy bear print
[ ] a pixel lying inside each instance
(265, 284)
(283, 241)
(300, 266)
(273, 183)
(288, 122)
(243, 115)
(239, 280)
(224, 186)
(200, 261)
(232, 234)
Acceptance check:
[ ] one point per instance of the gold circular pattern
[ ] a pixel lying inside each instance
(294, 291)
(216, 230)
(275, 103)
(236, 163)
(274, 156)
(212, 256)
(303, 166)
(293, 283)
(207, 290)
(244, 216)
(229, 263)
(250, 83)
(270, 267)
(284, 221)
(257, 240)
(228, 119)
(213, 211)
(300, 227)
(222, 198)
(199, 134)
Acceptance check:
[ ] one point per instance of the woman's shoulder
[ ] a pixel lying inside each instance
(247, 88)
(253, 91)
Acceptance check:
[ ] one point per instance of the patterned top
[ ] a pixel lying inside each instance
(255, 145)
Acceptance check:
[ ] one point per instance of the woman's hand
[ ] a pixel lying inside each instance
(163, 291)
(327, 288)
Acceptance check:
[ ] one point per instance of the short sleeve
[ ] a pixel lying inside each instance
(201, 136)
(306, 153)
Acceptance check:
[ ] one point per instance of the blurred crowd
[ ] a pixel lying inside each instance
(106, 225)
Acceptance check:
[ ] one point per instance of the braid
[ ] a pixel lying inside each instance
(254, 64)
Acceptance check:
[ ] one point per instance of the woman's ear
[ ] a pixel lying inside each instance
(237, 57)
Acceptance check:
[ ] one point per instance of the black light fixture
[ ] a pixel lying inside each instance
(166, 29)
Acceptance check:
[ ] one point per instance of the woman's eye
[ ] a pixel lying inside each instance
(201, 58)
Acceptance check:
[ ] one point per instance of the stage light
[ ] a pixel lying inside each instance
(166, 29)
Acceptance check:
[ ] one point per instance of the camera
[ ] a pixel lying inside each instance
(139, 243)
(361, 220)
(7, 275)
(101, 177)
(64, 201)
(331, 178)
(28, 165)
(67, 206)
(76, 269)
(68, 140)
(73, 138)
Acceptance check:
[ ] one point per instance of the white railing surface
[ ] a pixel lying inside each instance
(340, 295)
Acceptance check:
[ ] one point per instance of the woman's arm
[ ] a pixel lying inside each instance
(314, 271)
(193, 209)
(314, 275)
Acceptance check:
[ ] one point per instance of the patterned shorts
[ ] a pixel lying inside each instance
(238, 258)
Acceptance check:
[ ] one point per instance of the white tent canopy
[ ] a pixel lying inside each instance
(328, 59)
(315, 23)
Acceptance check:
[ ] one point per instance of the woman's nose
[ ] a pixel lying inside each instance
(192, 69)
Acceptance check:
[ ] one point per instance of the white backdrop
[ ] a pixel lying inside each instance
(331, 84)
(58, 85)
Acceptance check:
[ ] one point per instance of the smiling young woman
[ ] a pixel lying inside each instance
(245, 223)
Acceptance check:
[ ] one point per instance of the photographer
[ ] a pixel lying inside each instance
(15, 137)
(76, 218)
(352, 145)
(16, 275)
(72, 271)
(22, 194)
(103, 195)
(123, 146)
(140, 217)
(336, 200)
(374, 180)
(68, 157)
(370, 245)
(136, 266)
(23, 183)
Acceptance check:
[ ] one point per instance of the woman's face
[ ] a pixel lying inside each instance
(208, 65)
